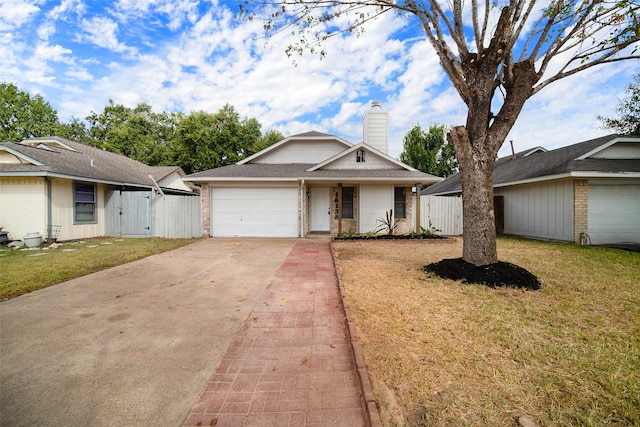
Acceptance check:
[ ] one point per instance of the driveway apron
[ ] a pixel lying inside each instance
(133, 345)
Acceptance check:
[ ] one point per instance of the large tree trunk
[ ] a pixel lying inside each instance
(478, 220)
(477, 144)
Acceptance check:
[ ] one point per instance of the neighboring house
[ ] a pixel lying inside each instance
(66, 190)
(312, 183)
(586, 193)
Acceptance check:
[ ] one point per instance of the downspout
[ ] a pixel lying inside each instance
(49, 211)
(418, 213)
(157, 186)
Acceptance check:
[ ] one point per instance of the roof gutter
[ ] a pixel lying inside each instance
(319, 179)
(574, 174)
(75, 178)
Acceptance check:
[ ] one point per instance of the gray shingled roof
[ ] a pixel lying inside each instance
(85, 162)
(540, 164)
(299, 171)
(311, 134)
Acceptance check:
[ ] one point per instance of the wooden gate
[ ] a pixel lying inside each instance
(128, 213)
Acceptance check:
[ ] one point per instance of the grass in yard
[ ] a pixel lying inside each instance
(24, 271)
(442, 353)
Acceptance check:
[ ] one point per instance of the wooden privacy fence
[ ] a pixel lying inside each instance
(177, 216)
(142, 213)
(445, 214)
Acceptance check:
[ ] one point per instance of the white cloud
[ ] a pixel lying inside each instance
(177, 12)
(45, 31)
(79, 74)
(200, 60)
(45, 52)
(66, 8)
(101, 31)
(16, 13)
(565, 112)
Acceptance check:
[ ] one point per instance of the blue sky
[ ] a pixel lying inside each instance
(186, 55)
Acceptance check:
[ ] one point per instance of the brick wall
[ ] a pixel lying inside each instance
(405, 225)
(580, 208)
(206, 210)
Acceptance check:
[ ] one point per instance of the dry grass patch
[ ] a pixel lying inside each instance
(441, 353)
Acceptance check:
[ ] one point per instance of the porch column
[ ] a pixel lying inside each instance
(339, 208)
(418, 187)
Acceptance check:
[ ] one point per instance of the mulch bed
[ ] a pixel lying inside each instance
(394, 237)
(494, 275)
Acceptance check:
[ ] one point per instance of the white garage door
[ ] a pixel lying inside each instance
(614, 213)
(254, 212)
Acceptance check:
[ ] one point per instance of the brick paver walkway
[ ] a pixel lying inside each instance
(292, 364)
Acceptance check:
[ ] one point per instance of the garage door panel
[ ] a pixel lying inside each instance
(614, 213)
(251, 212)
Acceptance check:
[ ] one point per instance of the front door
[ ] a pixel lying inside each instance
(320, 209)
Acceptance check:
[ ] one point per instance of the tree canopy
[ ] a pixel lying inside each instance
(627, 121)
(496, 54)
(138, 133)
(196, 141)
(25, 116)
(429, 151)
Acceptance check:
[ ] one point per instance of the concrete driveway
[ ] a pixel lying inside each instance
(133, 345)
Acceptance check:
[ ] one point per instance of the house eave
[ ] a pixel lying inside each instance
(309, 179)
(21, 156)
(240, 179)
(568, 175)
(574, 174)
(607, 145)
(73, 178)
(370, 179)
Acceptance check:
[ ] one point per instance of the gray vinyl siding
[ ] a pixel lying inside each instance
(542, 210)
(302, 152)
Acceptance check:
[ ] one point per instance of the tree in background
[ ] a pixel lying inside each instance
(76, 130)
(138, 133)
(269, 138)
(429, 151)
(24, 116)
(205, 141)
(628, 120)
(496, 54)
(196, 142)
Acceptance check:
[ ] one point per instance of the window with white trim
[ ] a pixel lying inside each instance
(84, 203)
(347, 202)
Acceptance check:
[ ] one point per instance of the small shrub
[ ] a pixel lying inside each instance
(388, 224)
(347, 234)
(430, 231)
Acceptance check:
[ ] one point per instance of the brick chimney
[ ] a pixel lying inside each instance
(376, 127)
